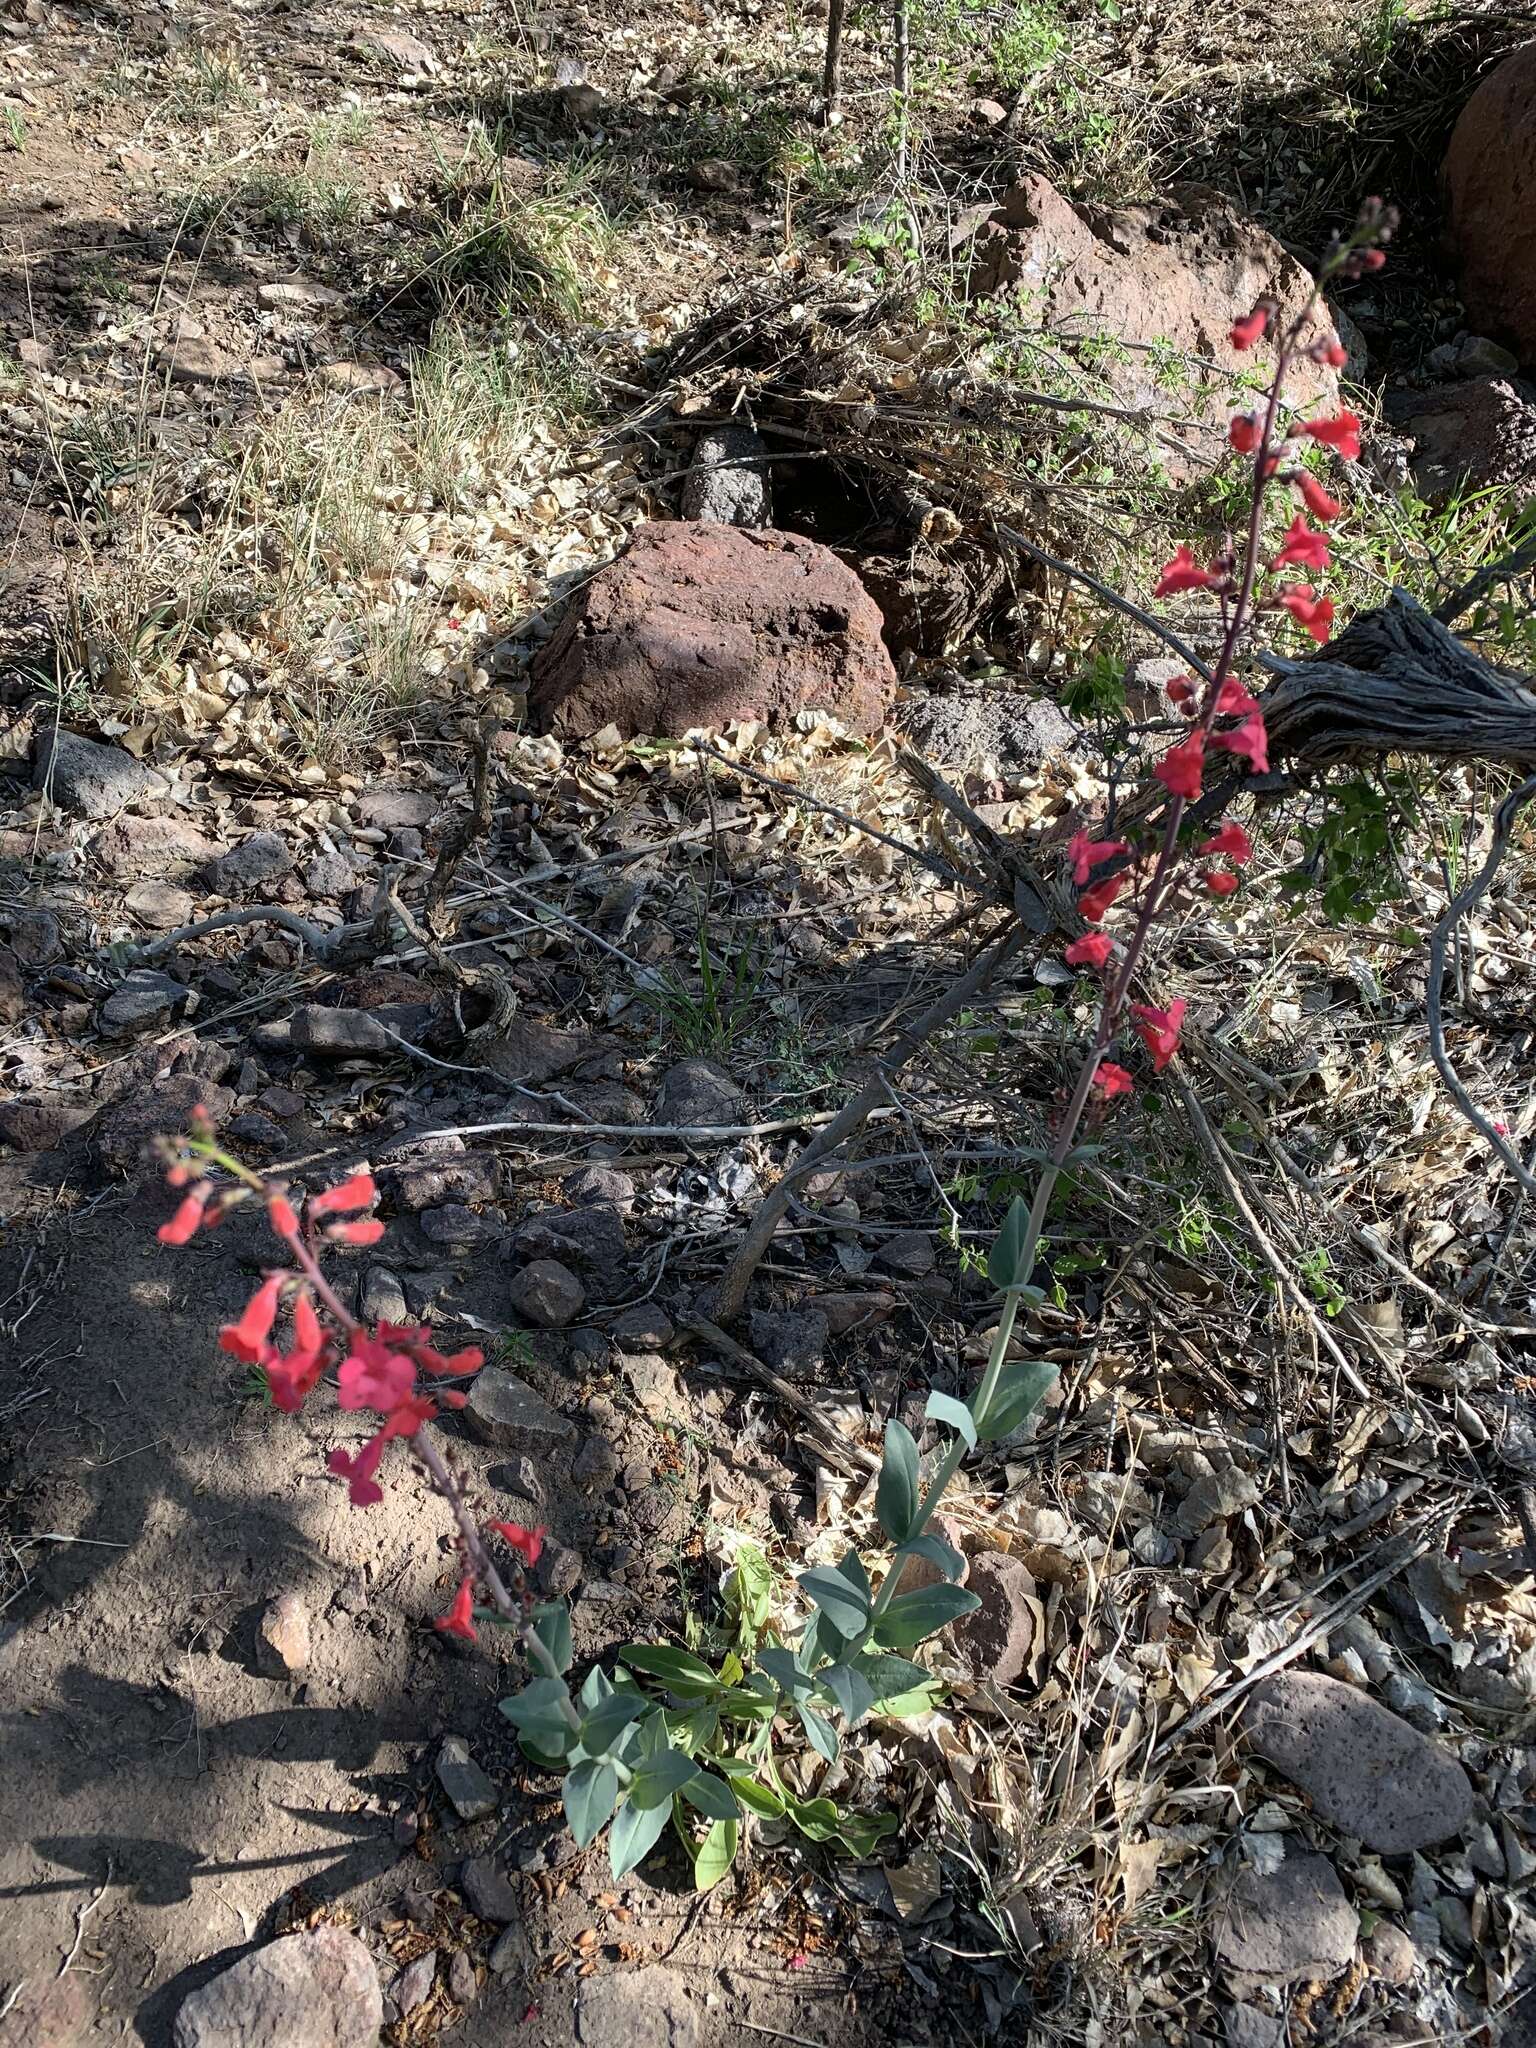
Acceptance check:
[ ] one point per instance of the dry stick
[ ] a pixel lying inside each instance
(732, 1289)
(832, 76)
(321, 943)
(1468, 593)
(1216, 1153)
(1503, 824)
(848, 1456)
(1164, 633)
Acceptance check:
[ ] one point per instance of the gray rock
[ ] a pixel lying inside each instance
(489, 1890)
(728, 482)
(560, 1570)
(654, 1385)
(468, 1790)
(1390, 1954)
(159, 905)
(697, 1093)
(261, 858)
(1287, 1924)
(645, 1327)
(596, 1464)
(1365, 1770)
(458, 1229)
(794, 1344)
(282, 1637)
(463, 1984)
(382, 1297)
(1477, 356)
(329, 874)
(56, 2013)
(1423, 1930)
(471, 1177)
(1455, 1920)
(1214, 1496)
(125, 1131)
(1483, 1851)
(13, 992)
(521, 1475)
(503, 1410)
(601, 1186)
(640, 2008)
(145, 998)
(415, 1982)
(165, 848)
(910, 1253)
(547, 1293)
(392, 809)
(35, 936)
(592, 1239)
(88, 779)
(998, 1639)
(253, 1132)
(512, 1952)
(1248, 2027)
(334, 1034)
(313, 1990)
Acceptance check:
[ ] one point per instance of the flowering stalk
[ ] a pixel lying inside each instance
(376, 1369)
(1180, 772)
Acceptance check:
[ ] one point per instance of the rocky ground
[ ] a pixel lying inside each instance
(348, 794)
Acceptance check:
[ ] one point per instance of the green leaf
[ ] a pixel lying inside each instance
(552, 1626)
(591, 1793)
(755, 1797)
(819, 1732)
(844, 1605)
(847, 1685)
(634, 1833)
(715, 1854)
(692, 1729)
(890, 1677)
(941, 1555)
(1019, 1391)
(711, 1795)
(819, 1641)
(603, 1724)
(747, 1703)
(1005, 1261)
(749, 1593)
(655, 1782)
(817, 1818)
(594, 1687)
(896, 1494)
(945, 1408)
(912, 1616)
(538, 1712)
(784, 1669)
(686, 1674)
(862, 1832)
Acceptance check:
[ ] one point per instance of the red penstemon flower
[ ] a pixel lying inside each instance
(1309, 550)
(1342, 433)
(373, 1376)
(1318, 501)
(1112, 1080)
(1184, 691)
(357, 1192)
(1231, 840)
(183, 1226)
(459, 1620)
(1091, 950)
(1309, 610)
(528, 1543)
(246, 1339)
(1250, 328)
(1159, 1030)
(1245, 431)
(363, 1490)
(1185, 573)
(1094, 903)
(1179, 770)
(1248, 739)
(1222, 882)
(1087, 854)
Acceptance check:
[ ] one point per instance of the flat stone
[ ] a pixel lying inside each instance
(463, 1984)
(1249, 2027)
(596, 1464)
(359, 377)
(297, 292)
(468, 1790)
(655, 1386)
(13, 992)
(591, 1239)
(559, 1570)
(55, 2013)
(125, 1131)
(334, 1034)
(41, 1125)
(1289, 1924)
(318, 1989)
(504, 1410)
(909, 1253)
(282, 1637)
(1364, 1768)
(697, 1093)
(90, 780)
(547, 1293)
(998, 1639)
(146, 997)
(35, 936)
(640, 2008)
(645, 1327)
(729, 480)
(793, 1343)
(458, 1229)
(512, 1952)
(382, 1297)
(261, 858)
(489, 1890)
(415, 1982)
(600, 1186)
(164, 848)
(391, 809)
(329, 874)
(159, 905)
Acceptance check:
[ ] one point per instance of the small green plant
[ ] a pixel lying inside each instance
(710, 1017)
(1317, 1277)
(1096, 691)
(1349, 856)
(15, 129)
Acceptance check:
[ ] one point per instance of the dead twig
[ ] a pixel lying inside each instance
(324, 945)
(1110, 597)
(847, 1457)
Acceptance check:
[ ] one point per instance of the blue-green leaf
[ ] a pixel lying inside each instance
(819, 1731)
(603, 1724)
(552, 1626)
(1019, 1391)
(845, 1605)
(945, 1408)
(656, 1780)
(1005, 1262)
(634, 1833)
(538, 1712)
(784, 1669)
(846, 1684)
(685, 1674)
(943, 1556)
(912, 1616)
(711, 1795)
(590, 1794)
(715, 1854)
(755, 1797)
(896, 1494)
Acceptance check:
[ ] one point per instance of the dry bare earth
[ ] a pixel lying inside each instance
(1212, 1484)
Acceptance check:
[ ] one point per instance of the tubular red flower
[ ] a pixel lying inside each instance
(374, 1377)
(1185, 573)
(526, 1542)
(183, 1226)
(1250, 328)
(1341, 432)
(1088, 854)
(1094, 902)
(280, 1214)
(459, 1620)
(292, 1378)
(1315, 613)
(1334, 353)
(1234, 701)
(1244, 431)
(1091, 950)
(1183, 691)
(1231, 840)
(411, 1414)
(1249, 740)
(1112, 1080)
(1179, 769)
(1159, 1030)
(1222, 882)
(246, 1339)
(1317, 500)
(354, 1193)
(1302, 546)
(365, 1230)
(362, 1489)
(306, 1324)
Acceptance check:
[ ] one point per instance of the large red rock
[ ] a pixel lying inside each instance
(698, 624)
(1490, 182)
(1167, 280)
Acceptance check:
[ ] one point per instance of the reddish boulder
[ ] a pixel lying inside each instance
(698, 624)
(1469, 436)
(1168, 276)
(1490, 182)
